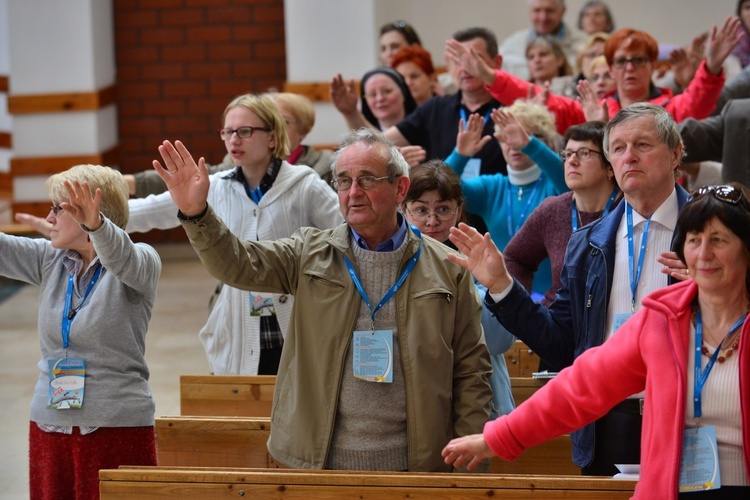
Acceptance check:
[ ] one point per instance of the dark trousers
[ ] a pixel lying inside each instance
(723, 493)
(617, 440)
(269, 361)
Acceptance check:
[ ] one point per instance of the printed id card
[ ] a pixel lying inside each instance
(699, 468)
(66, 380)
(373, 355)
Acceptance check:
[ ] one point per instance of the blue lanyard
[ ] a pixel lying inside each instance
(631, 253)
(391, 291)
(509, 202)
(702, 376)
(466, 119)
(254, 194)
(607, 208)
(68, 314)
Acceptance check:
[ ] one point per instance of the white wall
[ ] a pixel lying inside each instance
(325, 37)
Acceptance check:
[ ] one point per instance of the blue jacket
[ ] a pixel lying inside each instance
(576, 320)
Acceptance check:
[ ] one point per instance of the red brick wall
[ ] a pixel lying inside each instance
(179, 62)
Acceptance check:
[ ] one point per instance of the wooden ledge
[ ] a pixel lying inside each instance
(61, 103)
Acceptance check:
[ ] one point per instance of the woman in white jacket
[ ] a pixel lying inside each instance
(262, 198)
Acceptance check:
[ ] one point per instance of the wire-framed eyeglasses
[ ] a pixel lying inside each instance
(581, 153)
(422, 214)
(56, 209)
(365, 182)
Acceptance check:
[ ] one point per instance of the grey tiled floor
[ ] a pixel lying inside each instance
(172, 349)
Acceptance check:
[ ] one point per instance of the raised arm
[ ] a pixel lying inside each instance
(186, 180)
(344, 98)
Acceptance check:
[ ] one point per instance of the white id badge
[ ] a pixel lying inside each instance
(699, 467)
(373, 355)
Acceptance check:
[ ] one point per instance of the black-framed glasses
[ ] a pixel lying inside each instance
(422, 214)
(582, 154)
(56, 209)
(242, 132)
(725, 193)
(366, 182)
(637, 62)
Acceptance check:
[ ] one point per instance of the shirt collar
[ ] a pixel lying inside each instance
(74, 263)
(388, 245)
(665, 215)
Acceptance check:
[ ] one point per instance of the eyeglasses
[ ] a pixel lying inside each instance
(242, 132)
(605, 77)
(56, 209)
(421, 214)
(637, 62)
(366, 182)
(725, 193)
(582, 154)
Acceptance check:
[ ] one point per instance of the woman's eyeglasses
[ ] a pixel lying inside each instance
(56, 209)
(421, 214)
(242, 132)
(583, 154)
(725, 193)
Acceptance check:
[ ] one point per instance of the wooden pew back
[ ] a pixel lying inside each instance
(147, 483)
(241, 442)
(252, 396)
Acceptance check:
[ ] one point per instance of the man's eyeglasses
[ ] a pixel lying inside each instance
(421, 214)
(582, 154)
(637, 62)
(242, 132)
(725, 193)
(56, 209)
(365, 182)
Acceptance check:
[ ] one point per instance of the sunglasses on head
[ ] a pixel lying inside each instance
(725, 193)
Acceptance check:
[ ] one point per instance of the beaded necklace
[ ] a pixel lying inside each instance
(733, 342)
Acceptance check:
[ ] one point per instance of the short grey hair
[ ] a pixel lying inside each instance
(666, 128)
(396, 164)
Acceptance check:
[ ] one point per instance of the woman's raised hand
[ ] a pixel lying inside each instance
(511, 132)
(469, 140)
(82, 205)
(186, 180)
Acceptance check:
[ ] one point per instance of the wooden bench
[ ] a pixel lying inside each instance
(241, 442)
(252, 395)
(227, 395)
(152, 483)
(521, 361)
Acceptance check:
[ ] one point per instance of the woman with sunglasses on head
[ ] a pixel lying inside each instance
(92, 406)
(687, 348)
(262, 198)
(394, 37)
(631, 55)
(434, 204)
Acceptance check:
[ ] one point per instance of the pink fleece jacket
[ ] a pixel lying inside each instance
(649, 352)
(697, 101)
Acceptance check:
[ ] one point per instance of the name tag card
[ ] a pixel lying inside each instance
(67, 377)
(699, 469)
(373, 355)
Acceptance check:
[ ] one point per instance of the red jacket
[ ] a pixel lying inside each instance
(697, 101)
(650, 353)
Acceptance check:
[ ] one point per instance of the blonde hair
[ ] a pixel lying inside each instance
(264, 107)
(300, 106)
(590, 41)
(114, 188)
(535, 120)
(595, 63)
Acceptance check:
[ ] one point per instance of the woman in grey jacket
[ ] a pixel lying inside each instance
(92, 406)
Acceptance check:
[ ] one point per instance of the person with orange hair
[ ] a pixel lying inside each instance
(631, 55)
(415, 64)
